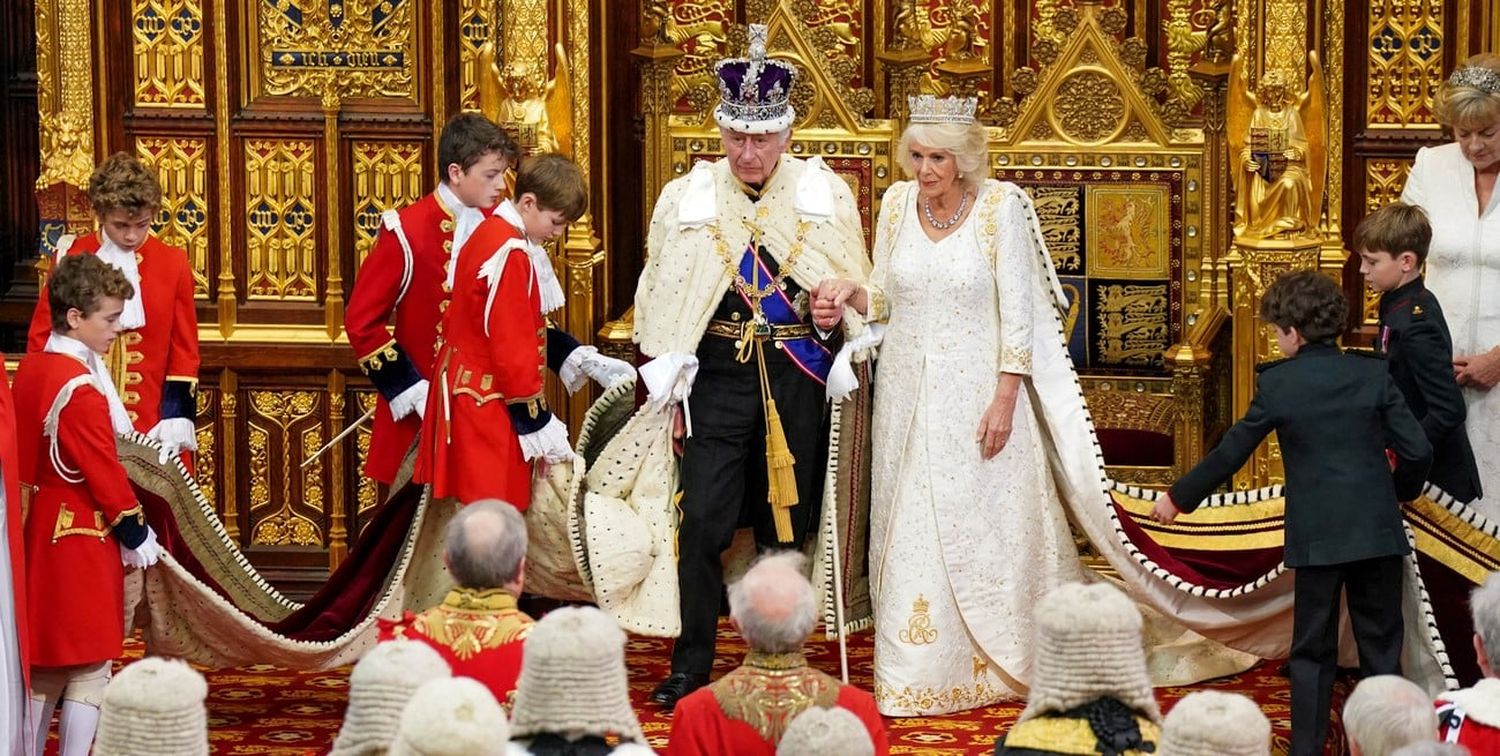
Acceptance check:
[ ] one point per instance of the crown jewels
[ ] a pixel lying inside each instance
(1478, 77)
(755, 91)
(929, 109)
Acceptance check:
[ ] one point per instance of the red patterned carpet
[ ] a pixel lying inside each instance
(267, 710)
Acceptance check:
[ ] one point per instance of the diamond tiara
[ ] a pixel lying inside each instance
(1478, 77)
(929, 109)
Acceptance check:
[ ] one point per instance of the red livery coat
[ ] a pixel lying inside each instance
(396, 361)
(479, 633)
(10, 470)
(165, 349)
(74, 579)
(489, 371)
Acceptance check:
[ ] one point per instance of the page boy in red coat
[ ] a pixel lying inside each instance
(15, 640)
(408, 274)
(489, 420)
(160, 343)
(84, 520)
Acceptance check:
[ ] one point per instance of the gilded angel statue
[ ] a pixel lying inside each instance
(1278, 152)
(538, 114)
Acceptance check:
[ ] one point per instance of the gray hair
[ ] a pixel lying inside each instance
(774, 603)
(1387, 712)
(969, 144)
(1432, 748)
(485, 543)
(1484, 606)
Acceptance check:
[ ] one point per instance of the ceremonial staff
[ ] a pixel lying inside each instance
(340, 437)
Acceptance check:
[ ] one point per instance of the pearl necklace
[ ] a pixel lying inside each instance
(963, 202)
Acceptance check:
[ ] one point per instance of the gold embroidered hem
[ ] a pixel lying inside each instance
(470, 621)
(909, 701)
(770, 689)
(1071, 735)
(1015, 360)
(377, 359)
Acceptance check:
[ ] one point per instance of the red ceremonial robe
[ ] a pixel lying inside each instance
(488, 387)
(479, 633)
(164, 350)
(415, 289)
(10, 471)
(747, 711)
(74, 579)
(1471, 717)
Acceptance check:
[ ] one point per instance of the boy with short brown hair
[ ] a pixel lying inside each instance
(1334, 414)
(1413, 335)
(488, 420)
(161, 344)
(84, 522)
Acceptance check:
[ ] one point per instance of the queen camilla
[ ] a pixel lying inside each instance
(965, 533)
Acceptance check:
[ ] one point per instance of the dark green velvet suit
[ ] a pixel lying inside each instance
(1334, 414)
(1414, 337)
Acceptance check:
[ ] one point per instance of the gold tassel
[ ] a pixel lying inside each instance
(781, 483)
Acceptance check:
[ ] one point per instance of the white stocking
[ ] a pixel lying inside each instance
(41, 721)
(76, 728)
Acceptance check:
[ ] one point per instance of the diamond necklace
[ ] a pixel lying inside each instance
(963, 202)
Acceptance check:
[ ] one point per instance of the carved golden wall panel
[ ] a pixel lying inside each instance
(1384, 179)
(280, 216)
(387, 176)
(367, 493)
(65, 92)
(360, 48)
(286, 501)
(473, 30)
(1405, 59)
(206, 458)
(169, 52)
(181, 165)
(700, 29)
(1285, 38)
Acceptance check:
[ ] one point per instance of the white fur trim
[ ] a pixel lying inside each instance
(814, 199)
(699, 205)
(1480, 703)
(742, 126)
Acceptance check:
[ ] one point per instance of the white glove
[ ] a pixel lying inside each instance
(550, 443)
(174, 434)
(144, 555)
(413, 399)
(587, 361)
(669, 378)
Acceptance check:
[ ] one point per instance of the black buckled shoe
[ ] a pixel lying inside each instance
(677, 685)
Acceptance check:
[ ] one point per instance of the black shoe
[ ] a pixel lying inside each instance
(677, 685)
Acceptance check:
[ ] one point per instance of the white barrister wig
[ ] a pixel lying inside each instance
(1213, 723)
(455, 716)
(573, 680)
(1088, 646)
(379, 687)
(826, 732)
(154, 706)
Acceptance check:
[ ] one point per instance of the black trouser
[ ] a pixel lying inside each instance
(1372, 588)
(723, 478)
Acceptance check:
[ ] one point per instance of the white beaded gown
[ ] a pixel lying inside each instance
(960, 547)
(1463, 270)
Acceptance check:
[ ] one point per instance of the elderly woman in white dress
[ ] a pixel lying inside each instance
(966, 532)
(1455, 184)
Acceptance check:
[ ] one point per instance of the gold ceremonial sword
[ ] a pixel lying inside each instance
(340, 437)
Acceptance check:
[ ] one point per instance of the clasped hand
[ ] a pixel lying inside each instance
(828, 299)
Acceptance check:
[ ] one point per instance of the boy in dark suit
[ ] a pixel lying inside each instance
(1334, 415)
(1392, 246)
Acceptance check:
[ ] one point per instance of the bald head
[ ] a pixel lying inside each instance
(773, 605)
(485, 545)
